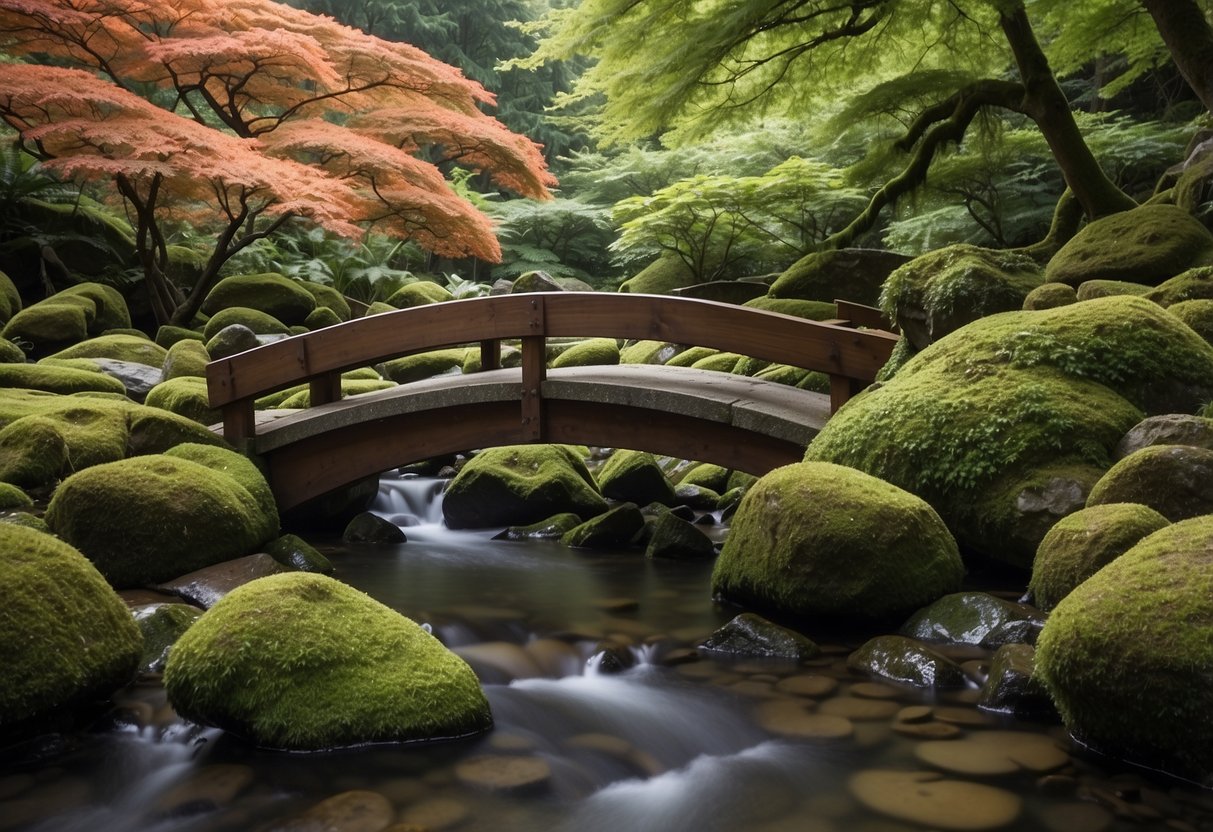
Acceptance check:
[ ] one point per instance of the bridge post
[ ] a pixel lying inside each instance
(324, 389)
(490, 354)
(534, 372)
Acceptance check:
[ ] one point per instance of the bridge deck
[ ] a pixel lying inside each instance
(732, 420)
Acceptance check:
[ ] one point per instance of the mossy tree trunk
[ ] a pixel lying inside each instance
(1189, 38)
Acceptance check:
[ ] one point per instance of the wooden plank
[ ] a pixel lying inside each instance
(326, 388)
(490, 354)
(239, 421)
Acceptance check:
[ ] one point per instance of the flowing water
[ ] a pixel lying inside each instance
(605, 720)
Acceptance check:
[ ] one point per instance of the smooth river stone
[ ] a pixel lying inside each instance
(792, 719)
(807, 685)
(211, 786)
(927, 730)
(436, 814)
(859, 710)
(874, 690)
(504, 773)
(994, 752)
(923, 798)
(915, 713)
(353, 811)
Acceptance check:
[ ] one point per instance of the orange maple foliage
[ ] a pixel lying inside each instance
(319, 121)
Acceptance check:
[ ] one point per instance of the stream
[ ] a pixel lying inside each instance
(605, 719)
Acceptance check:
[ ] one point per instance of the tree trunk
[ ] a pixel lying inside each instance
(1189, 38)
(1046, 104)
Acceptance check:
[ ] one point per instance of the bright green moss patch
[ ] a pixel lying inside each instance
(591, 352)
(186, 396)
(1050, 296)
(39, 449)
(649, 352)
(237, 466)
(53, 379)
(1126, 655)
(167, 336)
(1091, 289)
(424, 364)
(12, 497)
(721, 362)
(1197, 314)
(813, 310)
(136, 349)
(661, 277)
(65, 636)
(818, 539)
(271, 293)
(186, 358)
(847, 274)
(419, 294)
(1193, 284)
(259, 322)
(328, 298)
(304, 662)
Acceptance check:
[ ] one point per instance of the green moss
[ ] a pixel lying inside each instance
(304, 662)
(661, 277)
(186, 396)
(672, 538)
(941, 291)
(820, 539)
(321, 317)
(271, 293)
(10, 298)
(649, 352)
(151, 518)
(707, 475)
(847, 274)
(25, 520)
(45, 327)
(1174, 480)
(167, 336)
(419, 294)
(10, 353)
(1193, 284)
(612, 529)
(591, 352)
(65, 636)
(295, 552)
(1125, 656)
(378, 308)
(1050, 296)
(136, 349)
(12, 497)
(1197, 314)
(424, 365)
(328, 297)
(1146, 245)
(259, 322)
(903, 351)
(186, 358)
(111, 310)
(635, 476)
(238, 467)
(349, 387)
(813, 310)
(1091, 289)
(61, 380)
(231, 340)
(536, 280)
(38, 449)
(721, 362)
(1083, 543)
(519, 484)
(691, 356)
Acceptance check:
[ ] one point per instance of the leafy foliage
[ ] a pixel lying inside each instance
(564, 237)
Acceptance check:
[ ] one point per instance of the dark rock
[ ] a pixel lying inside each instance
(905, 661)
(696, 496)
(1011, 687)
(965, 618)
(371, 528)
(675, 538)
(296, 553)
(162, 625)
(617, 527)
(635, 476)
(552, 528)
(753, 636)
(1167, 429)
(206, 586)
(137, 378)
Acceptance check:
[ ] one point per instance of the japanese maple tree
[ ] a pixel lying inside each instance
(248, 114)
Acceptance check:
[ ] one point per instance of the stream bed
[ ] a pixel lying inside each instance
(605, 719)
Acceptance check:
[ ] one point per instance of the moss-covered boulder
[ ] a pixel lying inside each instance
(693, 355)
(275, 295)
(672, 538)
(535, 281)
(649, 352)
(10, 298)
(168, 335)
(661, 277)
(706, 474)
(349, 387)
(12, 497)
(66, 638)
(328, 298)
(304, 662)
(1125, 656)
(296, 553)
(612, 529)
(905, 661)
(186, 358)
(1197, 314)
(259, 322)
(813, 310)
(591, 352)
(186, 396)
(232, 339)
(59, 379)
(1146, 245)
(520, 484)
(1050, 296)
(151, 518)
(320, 317)
(1167, 429)
(1174, 480)
(854, 274)
(720, 362)
(1083, 543)
(943, 290)
(132, 348)
(419, 294)
(1193, 284)
(1091, 289)
(424, 365)
(820, 539)
(66, 318)
(635, 476)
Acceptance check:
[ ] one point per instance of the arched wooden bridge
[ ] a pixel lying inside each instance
(738, 422)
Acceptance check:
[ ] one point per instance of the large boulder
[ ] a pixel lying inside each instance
(635, 476)
(1174, 480)
(1126, 655)
(818, 539)
(520, 484)
(1146, 245)
(261, 323)
(271, 293)
(1193, 284)
(1005, 425)
(66, 638)
(591, 352)
(303, 662)
(661, 277)
(147, 519)
(1167, 429)
(1083, 543)
(854, 274)
(419, 293)
(68, 317)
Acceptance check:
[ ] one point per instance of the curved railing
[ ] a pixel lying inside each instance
(850, 356)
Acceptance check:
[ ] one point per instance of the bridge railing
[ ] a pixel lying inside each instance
(850, 356)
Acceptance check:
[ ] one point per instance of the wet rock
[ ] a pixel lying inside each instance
(859, 710)
(204, 587)
(353, 811)
(676, 539)
(498, 662)
(505, 773)
(1167, 429)
(791, 719)
(965, 618)
(610, 659)
(927, 799)
(1013, 632)
(905, 661)
(162, 625)
(205, 789)
(1174, 480)
(698, 497)
(614, 528)
(636, 477)
(296, 553)
(371, 528)
(137, 378)
(552, 528)
(987, 753)
(753, 636)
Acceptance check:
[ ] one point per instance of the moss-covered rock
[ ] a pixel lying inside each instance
(371, 528)
(535, 281)
(820, 539)
(519, 484)
(551, 528)
(36, 450)
(12, 497)
(237, 466)
(186, 396)
(419, 294)
(943, 290)
(66, 318)
(10, 353)
(1192, 284)
(148, 519)
(661, 277)
(609, 530)
(257, 321)
(854, 274)
(186, 358)
(275, 295)
(424, 365)
(320, 317)
(26, 519)
(706, 474)
(293, 551)
(349, 387)
(813, 310)
(1146, 245)
(635, 476)
(328, 297)
(720, 362)
(59, 379)
(1125, 655)
(649, 352)
(304, 662)
(1197, 314)
(167, 335)
(65, 637)
(592, 352)
(1083, 543)
(161, 626)
(672, 538)
(906, 662)
(1091, 289)
(1050, 296)
(232, 339)
(136, 349)
(965, 618)
(1013, 687)
(694, 355)
(10, 298)
(1174, 480)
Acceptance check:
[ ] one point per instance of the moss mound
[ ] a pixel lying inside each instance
(610, 530)
(259, 322)
(820, 539)
(1125, 656)
(167, 336)
(186, 358)
(661, 277)
(349, 387)
(136, 349)
(59, 379)
(271, 293)
(419, 294)
(589, 353)
(65, 637)
(328, 297)
(520, 484)
(1193, 284)
(151, 518)
(304, 662)
(813, 310)
(10, 298)
(635, 476)
(1174, 480)
(943, 290)
(238, 467)
(1083, 543)
(12, 497)
(1091, 289)
(649, 352)
(1050, 296)
(1146, 245)
(854, 274)
(68, 317)
(424, 365)
(10, 353)
(321, 317)
(1197, 314)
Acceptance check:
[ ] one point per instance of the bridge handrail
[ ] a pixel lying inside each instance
(851, 357)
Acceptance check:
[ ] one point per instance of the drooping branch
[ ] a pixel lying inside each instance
(1189, 38)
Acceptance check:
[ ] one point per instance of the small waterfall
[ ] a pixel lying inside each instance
(409, 500)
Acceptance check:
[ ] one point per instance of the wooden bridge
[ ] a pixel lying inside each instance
(735, 421)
